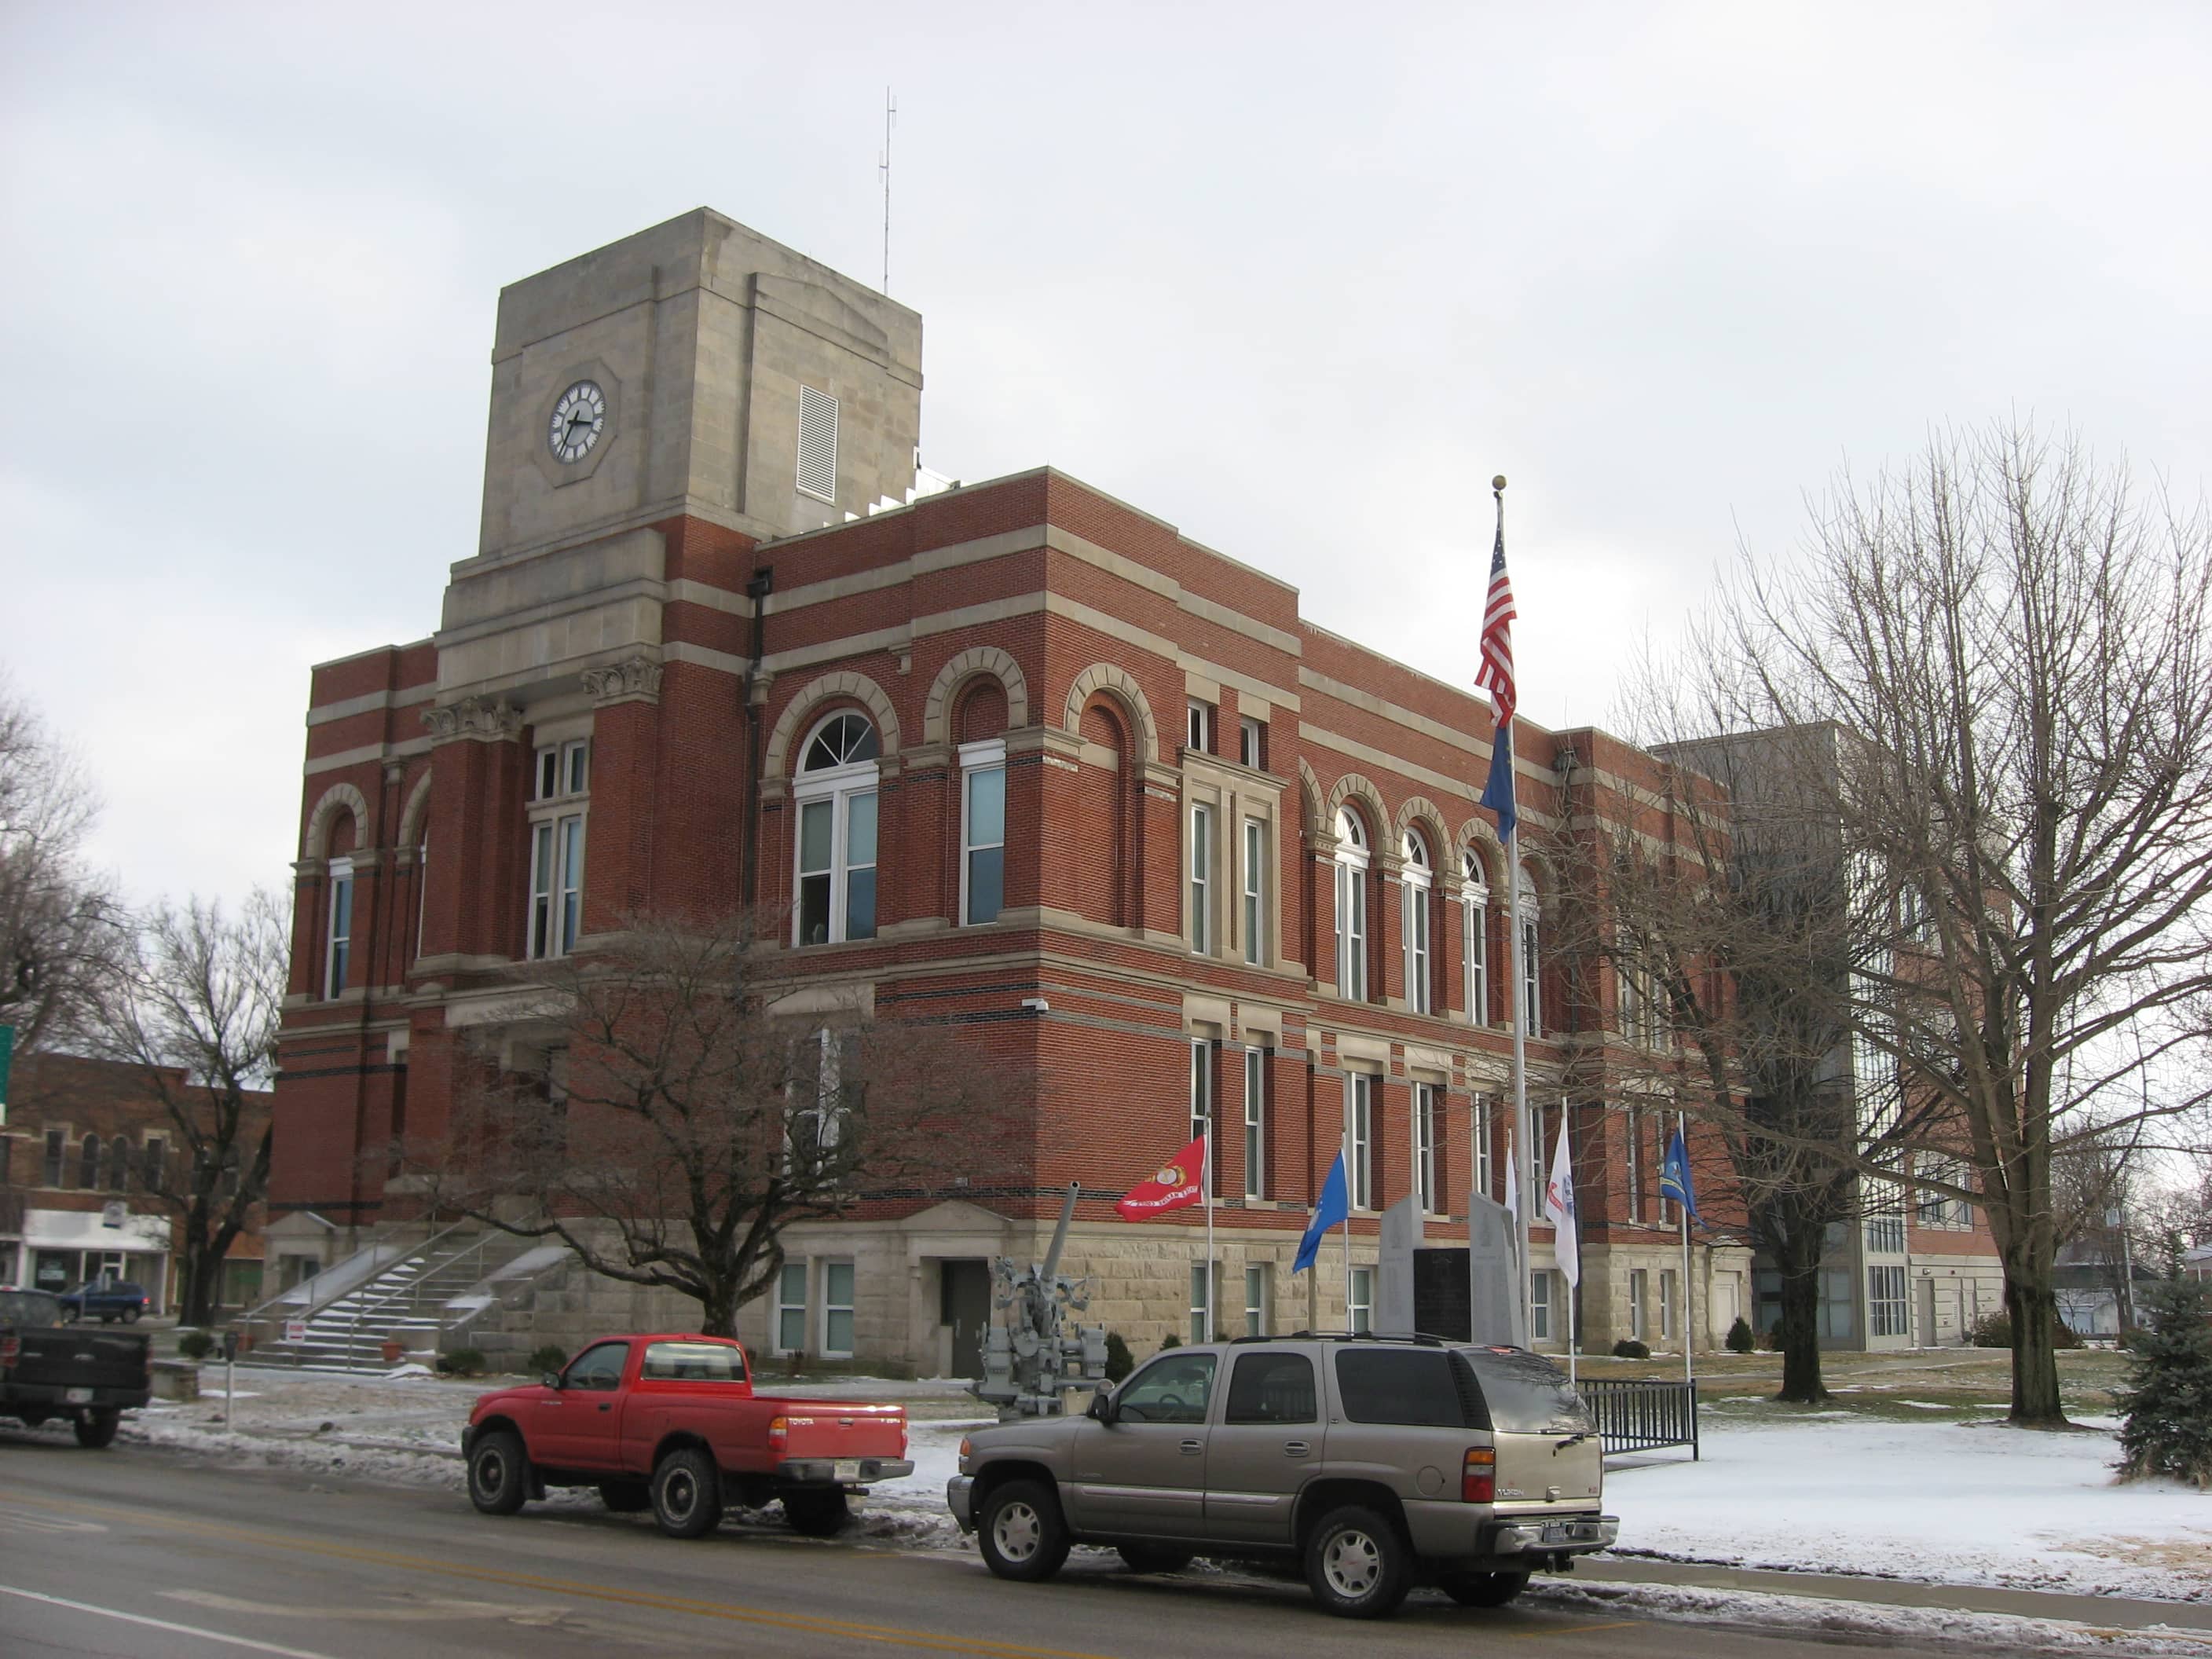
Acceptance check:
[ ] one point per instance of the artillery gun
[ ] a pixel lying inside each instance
(1039, 1352)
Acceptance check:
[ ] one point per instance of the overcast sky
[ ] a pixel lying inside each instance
(1298, 279)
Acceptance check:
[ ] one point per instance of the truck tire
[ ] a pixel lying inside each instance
(499, 1473)
(130, 1316)
(627, 1497)
(1146, 1558)
(96, 1428)
(687, 1494)
(1356, 1566)
(1483, 1589)
(1023, 1536)
(817, 1514)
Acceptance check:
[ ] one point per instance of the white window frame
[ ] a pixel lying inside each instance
(1359, 1301)
(1205, 1294)
(1475, 928)
(1259, 1299)
(1202, 878)
(1251, 735)
(1667, 1299)
(560, 807)
(1424, 1138)
(1255, 1122)
(1359, 1140)
(1201, 1104)
(1531, 945)
(840, 786)
(1632, 1162)
(1351, 865)
(785, 1307)
(1540, 1305)
(1888, 1315)
(978, 761)
(1199, 726)
(830, 1307)
(337, 951)
(1638, 1296)
(1417, 879)
(1255, 891)
(1480, 1164)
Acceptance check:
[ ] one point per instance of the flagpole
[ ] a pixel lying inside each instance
(1689, 1291)
(1211, 1289)
(1522, 1136)
(1344, 1151)
(1575, 1290)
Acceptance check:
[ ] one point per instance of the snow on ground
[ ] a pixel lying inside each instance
(1974, 1502)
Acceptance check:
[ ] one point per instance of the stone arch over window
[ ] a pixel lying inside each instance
(1353, 787)
(936, 712)
(802, 708)
(1124, 691)
(1421, 814)
(1309, 810)
(339, 797)
(415, 810)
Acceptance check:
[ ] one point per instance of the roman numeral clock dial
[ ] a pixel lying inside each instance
(578, 420)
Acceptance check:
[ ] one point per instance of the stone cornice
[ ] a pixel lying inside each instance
(477, 719)
(635, 680)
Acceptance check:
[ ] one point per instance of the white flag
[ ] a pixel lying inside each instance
(1513, 1184)
(1559, 1209)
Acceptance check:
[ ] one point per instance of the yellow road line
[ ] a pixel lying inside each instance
(888, 1634)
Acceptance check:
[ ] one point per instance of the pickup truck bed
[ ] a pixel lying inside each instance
(49, 1371)
(671, 1422)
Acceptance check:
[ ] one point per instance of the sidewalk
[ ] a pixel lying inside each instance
(2108, 1612)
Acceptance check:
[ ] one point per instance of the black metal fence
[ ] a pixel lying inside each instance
(1640, 1416)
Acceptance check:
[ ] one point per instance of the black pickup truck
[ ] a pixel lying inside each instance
(49, 1370)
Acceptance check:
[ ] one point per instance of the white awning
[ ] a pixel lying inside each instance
(87, 1230)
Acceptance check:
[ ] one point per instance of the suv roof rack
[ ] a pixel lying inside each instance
(1421, 1339)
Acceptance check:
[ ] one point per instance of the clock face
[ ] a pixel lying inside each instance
(578, 420)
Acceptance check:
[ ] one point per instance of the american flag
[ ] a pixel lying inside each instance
(1495, 674)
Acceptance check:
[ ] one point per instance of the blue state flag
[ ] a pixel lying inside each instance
(1335, 1206)
(1674, 1175)
(1498, 792)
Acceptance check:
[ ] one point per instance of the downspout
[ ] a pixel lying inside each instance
(757, 590)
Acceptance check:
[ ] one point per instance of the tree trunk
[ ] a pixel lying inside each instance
(2034, 1310)
(717, 1311)
(196, 1300)
(1799, 1331)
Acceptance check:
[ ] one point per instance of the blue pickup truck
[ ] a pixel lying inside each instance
(106, 1300)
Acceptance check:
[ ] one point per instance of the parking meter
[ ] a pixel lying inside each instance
(230, 1346)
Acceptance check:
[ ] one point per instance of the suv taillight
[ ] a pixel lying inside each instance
(1478, 1475)
(779, 1433)
(11, 1350)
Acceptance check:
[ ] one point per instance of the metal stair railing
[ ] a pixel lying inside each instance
(313, 1305)
(1638, 1414)
(411, 1301)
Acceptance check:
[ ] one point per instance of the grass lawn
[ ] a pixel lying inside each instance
(1921, 1384)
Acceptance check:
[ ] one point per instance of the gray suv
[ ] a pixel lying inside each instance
(1373, 1463)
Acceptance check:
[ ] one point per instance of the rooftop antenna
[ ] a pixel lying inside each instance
(884, 166)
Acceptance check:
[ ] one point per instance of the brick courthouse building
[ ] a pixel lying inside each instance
(1015, 754)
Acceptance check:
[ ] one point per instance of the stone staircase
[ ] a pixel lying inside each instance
(426, 1299)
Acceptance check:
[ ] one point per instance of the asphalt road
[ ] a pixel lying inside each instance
(131, 1551)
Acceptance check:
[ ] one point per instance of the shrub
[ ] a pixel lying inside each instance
(2167, 1410)
(551, 1356)
(1629, 1348)
(1739, 1336)
(1173, 1341)
(1118, 1362)
(196, 1345)
(2063, 1335)
(1993, 1331)
(461, 1362)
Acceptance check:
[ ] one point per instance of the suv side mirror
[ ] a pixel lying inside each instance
(550, 1380)
(1102, 1404)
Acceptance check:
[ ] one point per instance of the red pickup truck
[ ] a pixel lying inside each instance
(672, 1422)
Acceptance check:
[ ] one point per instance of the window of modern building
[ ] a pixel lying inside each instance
(87, 1164)
(817, 444)
(1201, 871)
(1252, 742)
(1474, 942)
(1418, 881)
(1638, 1302)
(1531, 976)
(57, 1155)
(1258, 1300)
(341, 928)
(1351, 861)
(836, 794)
(982, 831)
(1425, 1148)
(1360, 1132)
(1886, 1233)
(1255, 876)
(1540, 1306)
(1200, 732)
(837, 1309)
(1940, 1210)
(556, 848)
(791, 1307)
(1885, 1304)
(1255, 1122)
(1360, 1292)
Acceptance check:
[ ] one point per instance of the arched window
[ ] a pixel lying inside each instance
(1351, 857)
(1418, 882)
(1475, 928)
(338, 945)
(1531, 998)
(119, 1163)
(835, 794)
(87, 1164)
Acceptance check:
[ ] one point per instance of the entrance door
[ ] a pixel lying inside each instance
(965, 1304)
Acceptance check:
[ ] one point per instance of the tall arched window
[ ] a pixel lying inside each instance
(1351, 857)
(1418, 882)
(835, 794)
(119, 1163)
(1475, 928)
(1532, 1000)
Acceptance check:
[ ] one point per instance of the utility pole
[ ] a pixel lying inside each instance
(884, 166)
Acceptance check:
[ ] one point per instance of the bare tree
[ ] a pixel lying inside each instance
(59, 923)
(667, 1123)
(193, 1008)
(2018, 650)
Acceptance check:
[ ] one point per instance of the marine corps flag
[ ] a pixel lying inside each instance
(1179, 1182)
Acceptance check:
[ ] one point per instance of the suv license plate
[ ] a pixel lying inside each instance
(77, 1396)
(846, 1468)
(1557, 1533)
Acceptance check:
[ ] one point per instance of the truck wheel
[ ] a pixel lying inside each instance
(1022, 1537)
(499, 1473)
(96, 1428)
(1144, 1558)
(1483, 1589)
(1357, 1565)
(626, 1497)
(130, 1316)
(687, 1494)
(817, 1514)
